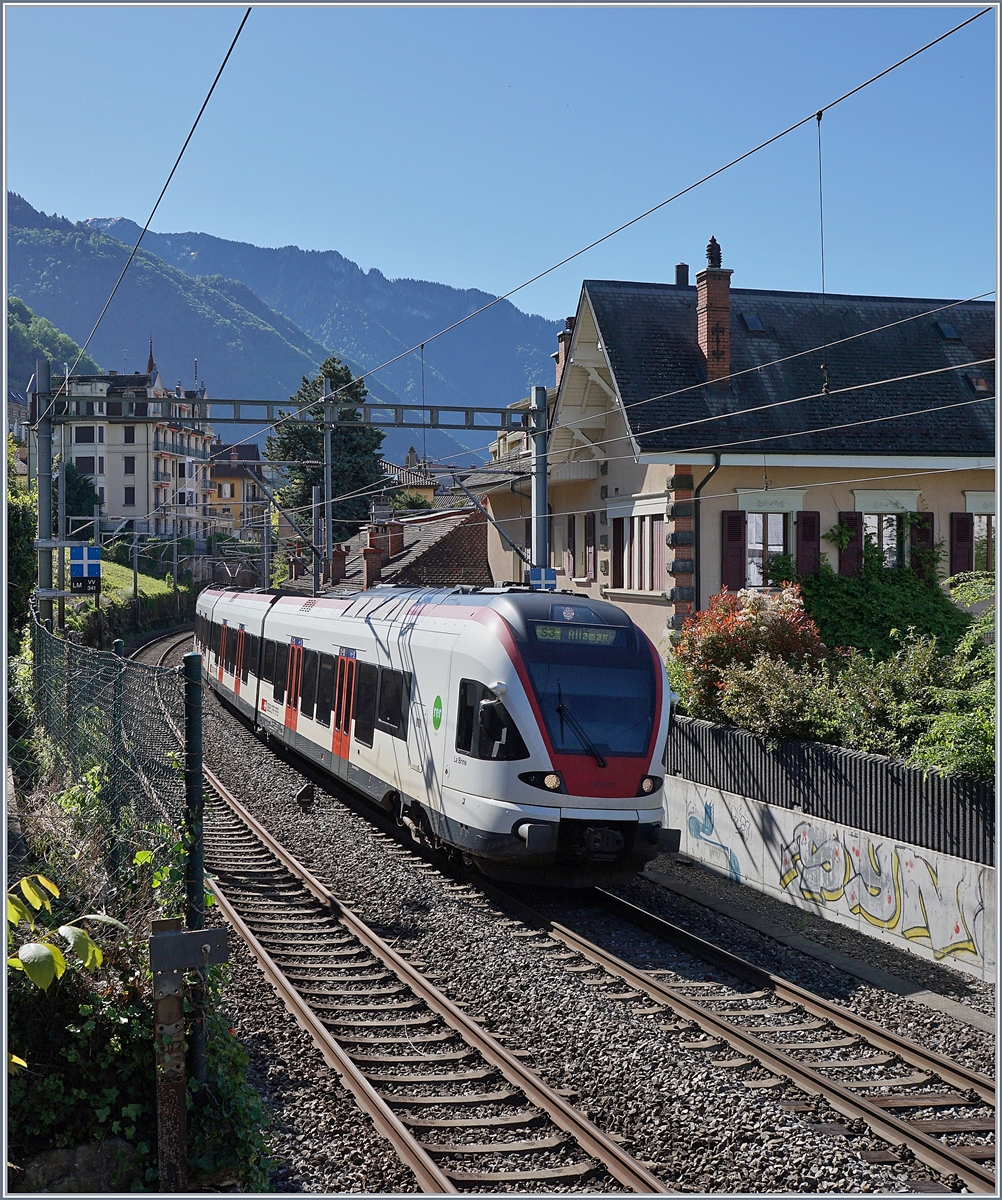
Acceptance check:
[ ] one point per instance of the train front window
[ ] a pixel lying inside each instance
(595, 686)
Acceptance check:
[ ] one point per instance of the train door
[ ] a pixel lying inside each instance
(344, 704)
(293, 680)
(418, 748)
(241, 640)
(222, 649)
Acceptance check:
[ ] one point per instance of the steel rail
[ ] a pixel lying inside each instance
(430, 1177)
(592, 1140)
(941, 1157)
(910, 1052)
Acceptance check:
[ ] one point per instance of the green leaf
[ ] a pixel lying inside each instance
(58, 959)
(34, 894)
(15, 963)
(84, 946)
(104, 919)
(141, 857)
(39, 964)
(17, 911)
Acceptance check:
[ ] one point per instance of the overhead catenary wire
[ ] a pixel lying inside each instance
(647, 212)
(163, 190)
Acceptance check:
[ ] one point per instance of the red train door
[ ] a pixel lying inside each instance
(240, 660)
(293, 680)
(344, 703)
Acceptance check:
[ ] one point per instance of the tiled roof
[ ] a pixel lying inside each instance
(649, 331)
(440, 550)
(407, 477)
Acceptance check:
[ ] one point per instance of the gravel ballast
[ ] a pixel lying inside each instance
(695, 1125)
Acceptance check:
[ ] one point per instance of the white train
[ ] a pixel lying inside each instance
(524, 730)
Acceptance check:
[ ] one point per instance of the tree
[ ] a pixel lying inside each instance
(355, 463)
(21, 559)
(81, 495)
(407, 501)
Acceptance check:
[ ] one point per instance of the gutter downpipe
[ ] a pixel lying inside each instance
(696, 573)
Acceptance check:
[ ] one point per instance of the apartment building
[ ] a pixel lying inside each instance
(237, 500)
(146, 448)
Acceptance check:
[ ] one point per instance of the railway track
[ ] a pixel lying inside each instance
(460, 1110)
(864, 1072)
(876, 1079)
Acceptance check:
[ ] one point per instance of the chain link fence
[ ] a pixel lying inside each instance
(96, 748)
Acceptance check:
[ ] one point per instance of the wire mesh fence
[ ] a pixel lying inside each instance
(96, 746)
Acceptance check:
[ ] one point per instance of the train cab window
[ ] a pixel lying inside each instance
(366, 680)
(325, 690)
(268, 670)
(391, 709)
(308, 683)
(281, 667)
(484, 728)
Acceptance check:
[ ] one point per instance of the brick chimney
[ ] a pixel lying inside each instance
(372, 564)
(395, 531)
(379, 539)
(713, 314)
(563, 347)
(335, 568)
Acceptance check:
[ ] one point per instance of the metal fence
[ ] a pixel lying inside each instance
(107, 741)
(948, 813)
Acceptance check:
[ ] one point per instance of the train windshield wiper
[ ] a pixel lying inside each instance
(565, 714)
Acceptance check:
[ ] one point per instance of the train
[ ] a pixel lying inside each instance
(523, 731)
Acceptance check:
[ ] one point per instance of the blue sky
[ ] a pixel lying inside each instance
(476, 146)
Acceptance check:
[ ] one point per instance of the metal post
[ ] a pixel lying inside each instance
(540, 514)
(97, 598)
(135, 572)
(316, 541)
(43, 407)
(173, 547)
(61, 528)
(168, 1026)
(328, 467)
(266, 537)
(194, 882)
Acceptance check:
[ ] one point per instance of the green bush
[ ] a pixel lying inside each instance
(769, 697)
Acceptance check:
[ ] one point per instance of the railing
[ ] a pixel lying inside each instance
(951, 814)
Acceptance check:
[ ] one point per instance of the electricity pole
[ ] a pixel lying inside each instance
(328, 485)
(540, 515)
(316, 541)
(61, 528)
(43, 411)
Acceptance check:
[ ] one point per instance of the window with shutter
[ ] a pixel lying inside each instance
(618, 551)
(850, 560)
(961, 542)
(922, 544)
(808, 543)
(732, 550)
(589, 532)
(984, 542)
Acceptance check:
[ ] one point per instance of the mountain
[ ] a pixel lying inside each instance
(29, 337)
(366, 318)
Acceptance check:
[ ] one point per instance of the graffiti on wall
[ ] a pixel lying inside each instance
(892, 886)
(701, 829)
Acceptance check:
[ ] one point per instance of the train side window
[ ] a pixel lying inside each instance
(308, 683)
(391, 711)
(248, 658)
(325, 690)
(214, 634)
(366, 678)
(268, 670)
(485, 728)
(281, 667)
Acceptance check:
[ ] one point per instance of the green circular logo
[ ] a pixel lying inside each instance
(436, 712)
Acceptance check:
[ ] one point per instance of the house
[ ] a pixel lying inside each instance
(698, 431)
(17, 415)
(432, 549)
(238, 502)
(144, 446)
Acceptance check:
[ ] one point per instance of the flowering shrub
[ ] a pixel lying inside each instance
(737, 629)
(769, 697)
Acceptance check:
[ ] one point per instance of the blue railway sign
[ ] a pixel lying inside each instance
(543, 579)
(85, 570)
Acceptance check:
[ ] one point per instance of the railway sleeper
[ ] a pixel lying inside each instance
(571, 1171)
(529, 1144)
(529, 1117)
(416, 1101)
(454, 1077)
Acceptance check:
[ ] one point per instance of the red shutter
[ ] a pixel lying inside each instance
(961, 542)
(808, 543)
(850, 560)
(922, 542)
(618, 550)
(733, 550)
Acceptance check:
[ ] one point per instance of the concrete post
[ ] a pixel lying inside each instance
(540, 508)
(43, 407)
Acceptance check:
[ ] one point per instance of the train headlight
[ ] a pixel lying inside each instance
(549, 781)
(649, 783)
